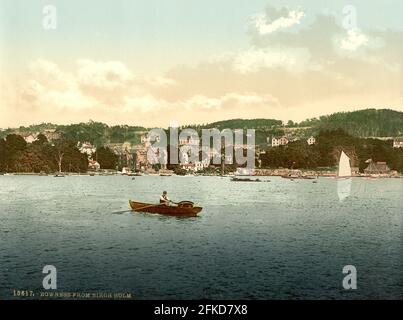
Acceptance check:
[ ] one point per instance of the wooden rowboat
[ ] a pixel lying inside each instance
(182, 209)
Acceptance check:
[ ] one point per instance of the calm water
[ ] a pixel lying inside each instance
(279, 239)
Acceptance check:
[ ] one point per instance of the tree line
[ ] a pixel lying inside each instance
(63, 155)
(16, 155)
(326, 152)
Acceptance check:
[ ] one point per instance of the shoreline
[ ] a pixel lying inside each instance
(305, 175)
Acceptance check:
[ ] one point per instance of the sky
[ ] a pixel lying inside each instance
(196, 61)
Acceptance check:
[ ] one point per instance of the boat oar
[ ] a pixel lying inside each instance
(121, 212)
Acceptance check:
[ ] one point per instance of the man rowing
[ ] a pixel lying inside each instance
(164, 199)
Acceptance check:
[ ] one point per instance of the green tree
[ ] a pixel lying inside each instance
(40, 140)
(68, 158)
(106, 158)
(3, 157)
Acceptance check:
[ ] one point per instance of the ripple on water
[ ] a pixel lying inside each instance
(274, 240)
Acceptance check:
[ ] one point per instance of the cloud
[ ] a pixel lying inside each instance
(109, 91)
(354, 40)
(274, 20)
(161, 81)
(229, 101)
(284, 71)
(110, 75)
(255, 59)
(319, 62)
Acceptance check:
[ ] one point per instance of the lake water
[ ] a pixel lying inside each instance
(281, 239)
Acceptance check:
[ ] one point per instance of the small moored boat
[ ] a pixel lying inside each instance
(182, 209)
(235, 179)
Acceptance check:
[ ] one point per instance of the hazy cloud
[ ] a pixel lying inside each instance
(276, 19)
(354, 40)
(255, 59)
(110, 88)
(292, 68)
(318, 62)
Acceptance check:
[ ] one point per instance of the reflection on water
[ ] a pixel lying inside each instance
(343, 188)
(283, 239)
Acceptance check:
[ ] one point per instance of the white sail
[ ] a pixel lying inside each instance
(344, 166)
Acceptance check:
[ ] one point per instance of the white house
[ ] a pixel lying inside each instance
(199, 166)
(29, 138)
(86, 148)
(311, 141)
(279, 141)
(191, 141)
(398, 143)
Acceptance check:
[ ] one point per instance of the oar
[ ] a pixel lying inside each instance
(121, 212)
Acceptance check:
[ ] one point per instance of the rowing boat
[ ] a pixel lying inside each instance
(182, 209)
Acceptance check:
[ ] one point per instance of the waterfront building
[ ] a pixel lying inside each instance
(93, 165)
(189, 166)
(379, 167)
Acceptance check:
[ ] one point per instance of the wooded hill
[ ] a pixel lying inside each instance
(362, 123)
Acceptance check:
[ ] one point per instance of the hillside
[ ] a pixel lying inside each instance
(258, 124)
(362, 123)
(96, 132)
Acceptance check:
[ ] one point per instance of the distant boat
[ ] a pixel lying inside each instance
(344, 177)
(59, 176)
(236, 179)
(292, 177)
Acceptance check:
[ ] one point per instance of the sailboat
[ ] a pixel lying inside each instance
(344, 177)
(344, 166)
